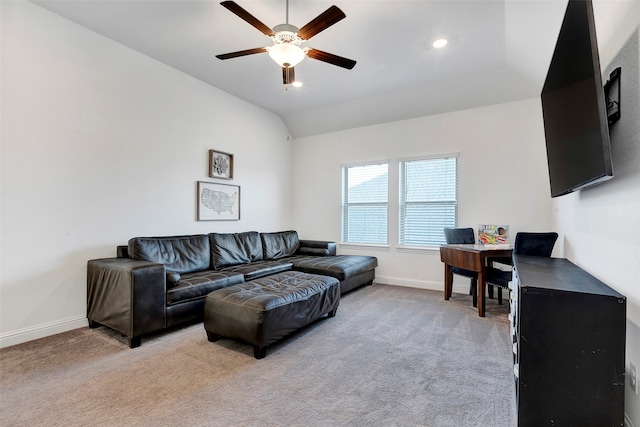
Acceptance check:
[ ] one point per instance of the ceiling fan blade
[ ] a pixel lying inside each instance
(288, 75)
(241, 53)
(331, 58)
(235, 8)
(321, 22)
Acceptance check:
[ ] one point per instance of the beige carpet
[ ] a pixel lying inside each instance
(392, 356)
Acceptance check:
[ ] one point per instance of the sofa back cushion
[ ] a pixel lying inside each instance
(229, 249)
(180, 254)
(279, 245)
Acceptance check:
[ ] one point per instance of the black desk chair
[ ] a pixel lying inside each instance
(533, 244)
(457, 236)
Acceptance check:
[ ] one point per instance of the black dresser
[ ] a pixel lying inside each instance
(568, 332)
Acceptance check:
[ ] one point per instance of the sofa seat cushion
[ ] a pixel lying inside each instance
(179, 254)
(340, 266)
(197, 285)
(259, 268)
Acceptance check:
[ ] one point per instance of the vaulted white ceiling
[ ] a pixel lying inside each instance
(498, 51)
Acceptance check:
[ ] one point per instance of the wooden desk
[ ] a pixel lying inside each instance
(469, 257)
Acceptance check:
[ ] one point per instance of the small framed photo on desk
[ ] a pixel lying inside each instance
(493, 234)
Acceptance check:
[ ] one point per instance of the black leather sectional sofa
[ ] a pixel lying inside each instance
(159, 282)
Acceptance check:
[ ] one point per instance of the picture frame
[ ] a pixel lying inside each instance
(493, 234)
(218, 202)
(220, 164)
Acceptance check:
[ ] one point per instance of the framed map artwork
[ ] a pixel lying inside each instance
(220, 164)
(218, 202)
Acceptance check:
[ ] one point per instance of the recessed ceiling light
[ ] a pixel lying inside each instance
(440, 43)
(296, 84)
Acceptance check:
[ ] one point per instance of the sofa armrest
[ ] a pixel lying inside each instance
(127, 295)
(317, 248)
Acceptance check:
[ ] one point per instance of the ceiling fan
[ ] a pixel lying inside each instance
(286, 50)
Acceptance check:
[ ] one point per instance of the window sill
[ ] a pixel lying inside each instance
(418, 249)
(431, 250)
(368, 246)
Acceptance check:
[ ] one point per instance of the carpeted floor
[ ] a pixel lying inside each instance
(392, 356)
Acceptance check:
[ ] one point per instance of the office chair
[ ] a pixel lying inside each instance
(533, 244)
(455, 236)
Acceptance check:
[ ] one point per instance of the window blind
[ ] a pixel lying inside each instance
(428, 200)
(365, 203)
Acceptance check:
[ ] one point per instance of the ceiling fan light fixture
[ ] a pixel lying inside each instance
(287, 38)
(286, 53)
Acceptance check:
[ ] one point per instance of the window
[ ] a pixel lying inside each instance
(428, 200)
(365, 201)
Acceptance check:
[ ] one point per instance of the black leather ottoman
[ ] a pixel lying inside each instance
(264, 310)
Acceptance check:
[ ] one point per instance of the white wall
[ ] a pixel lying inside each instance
(601, 225)
(502, 179)
(101, 144)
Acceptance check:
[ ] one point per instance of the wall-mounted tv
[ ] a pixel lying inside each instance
(574, 108)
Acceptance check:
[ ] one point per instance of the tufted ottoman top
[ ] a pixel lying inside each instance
(267, 293)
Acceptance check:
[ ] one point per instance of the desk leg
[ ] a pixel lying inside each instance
(481, 290)
(448, 281)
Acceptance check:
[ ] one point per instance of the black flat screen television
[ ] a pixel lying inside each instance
(574, 108)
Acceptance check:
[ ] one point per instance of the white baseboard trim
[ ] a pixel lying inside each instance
(40, 331)
(420, 284)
